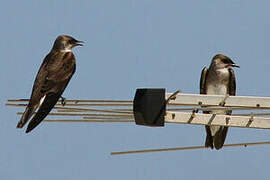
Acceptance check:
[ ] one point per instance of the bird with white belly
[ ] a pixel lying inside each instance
(219, 79)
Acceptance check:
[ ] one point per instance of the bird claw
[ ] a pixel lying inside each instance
(63, 102)
(222, 103)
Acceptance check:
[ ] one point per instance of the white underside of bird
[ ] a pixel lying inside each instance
(218, 89)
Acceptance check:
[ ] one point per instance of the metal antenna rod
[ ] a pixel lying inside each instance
(101, 120)
(186, 148)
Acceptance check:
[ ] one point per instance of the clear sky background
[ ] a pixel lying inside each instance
(131, 44)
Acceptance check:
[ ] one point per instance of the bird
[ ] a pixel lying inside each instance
(219, 79)
(51, 80)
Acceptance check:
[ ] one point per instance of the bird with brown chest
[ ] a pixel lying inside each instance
(219, 79)
(52, 78)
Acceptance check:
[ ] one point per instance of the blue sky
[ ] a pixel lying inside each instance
(131, 44)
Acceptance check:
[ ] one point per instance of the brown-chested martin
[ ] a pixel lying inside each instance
(51, 80)
(219, 79)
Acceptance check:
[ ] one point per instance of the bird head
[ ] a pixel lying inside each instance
(221, 61)
(66, 43)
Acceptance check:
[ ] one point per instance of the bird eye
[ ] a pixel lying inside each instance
(70, 41)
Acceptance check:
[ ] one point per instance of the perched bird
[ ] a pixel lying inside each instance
(52, 78)
(219, 79)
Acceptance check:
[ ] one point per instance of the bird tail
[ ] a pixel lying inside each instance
(220, 137)
(209, 138)
(47, 105)
(29, 111)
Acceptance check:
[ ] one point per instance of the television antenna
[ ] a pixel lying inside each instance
(155, 108)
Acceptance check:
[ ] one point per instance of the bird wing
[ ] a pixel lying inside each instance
(232, 86)
(48, 103)
(56, 81)
(232, 83)
(203, 80)
(209, 138)
(37, 92)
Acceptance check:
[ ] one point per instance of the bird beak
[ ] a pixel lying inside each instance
(235, 65)
(79, 43)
